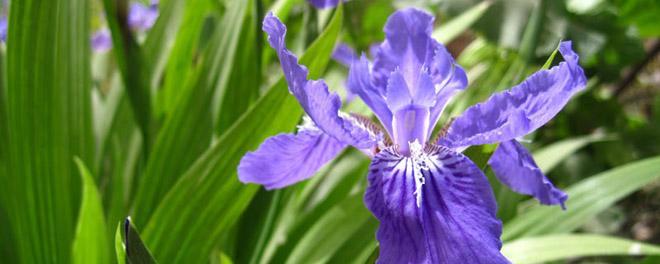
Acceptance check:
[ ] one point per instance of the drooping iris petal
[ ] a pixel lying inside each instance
(522, 109)
(142, 17)
(101, 40)
(359, 82)
(313, 95)
(324, 3)
(455, 220)
(286, 159)
(514, 166)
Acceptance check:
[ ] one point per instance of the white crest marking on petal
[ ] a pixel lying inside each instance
(308, 125)
(419, 162)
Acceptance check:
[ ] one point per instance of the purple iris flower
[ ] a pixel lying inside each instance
(3, 28)
(101, 40)
(433, 203)
(324, 3)
(140, 17)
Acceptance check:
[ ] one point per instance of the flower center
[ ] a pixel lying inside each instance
(410, 124)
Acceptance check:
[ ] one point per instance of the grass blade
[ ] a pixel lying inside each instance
(180, 63)
(552, 155)
(183, 233)
(453, 28)
(134, 249)
(91, 245)
(557, 247)
(156, 46)
(49, 122)
(131, 62)
(586, 199)
(178, 146)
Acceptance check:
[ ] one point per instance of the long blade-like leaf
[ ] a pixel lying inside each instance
(129, 246)
(550, 156)
(453, 28)
(181, 233)
(586, 199)
(91, 244)
(177, 145)
(557, 247)
(49, 122)
(131, 62)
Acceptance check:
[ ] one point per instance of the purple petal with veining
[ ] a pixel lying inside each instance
(522, 109)
(514, 166)
(314, 97)
(286, 159)
(455, 221)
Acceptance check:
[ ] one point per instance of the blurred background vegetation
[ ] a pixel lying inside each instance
(153, 124)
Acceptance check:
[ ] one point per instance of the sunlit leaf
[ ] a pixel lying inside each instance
(557, 247)
(91, 244)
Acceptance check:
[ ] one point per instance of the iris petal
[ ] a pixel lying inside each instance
(344, 54)
(522, 109)
(313, 95)
(286, 159)
(410, 50)
(324, 3)
(407, 47)
(455, 221)
(359, 82)
(514, 166)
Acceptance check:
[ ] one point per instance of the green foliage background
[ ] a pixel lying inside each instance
(155, 128)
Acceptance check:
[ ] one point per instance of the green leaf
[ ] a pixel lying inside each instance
(91, 244)
(532, 32)
(450, 30)
(557, 247)
(158, 43)
(120, 250)
(49, 122)
(180, 64)
(245, 74)
(548, 62)
(177, 145)
(135, 250)
(316, 197)
(550, 156)
(256, 226)
(586, 199)
(131, 63)
(182, 233)
(334, 227)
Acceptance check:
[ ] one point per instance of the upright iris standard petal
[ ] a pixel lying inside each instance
(286, 159)
(407, 46)
(321, 105)
(324, 3)
(514, 166)
(449, 79)
(359, 82)
(410, 107)
(454, 222)
(427, 69)
(522, 109)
